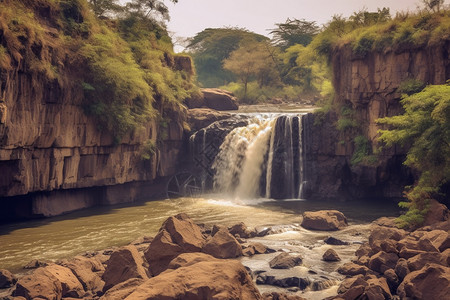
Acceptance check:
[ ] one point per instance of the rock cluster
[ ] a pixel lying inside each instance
(180, 262)
(396, 263)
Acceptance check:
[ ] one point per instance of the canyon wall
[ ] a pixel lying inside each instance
(55, 159)
(370, 87)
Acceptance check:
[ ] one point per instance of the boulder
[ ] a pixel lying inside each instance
(280, 296)
(419, 261)
(283, 281)
(440, 239)
(383, 261)
(331, 255)
(334, 241)
(222, 245)
(207, 279)
(430, 282)
(124, 263)
(219, 99)
(401, 268)
(242, 230)
(386, 236)
(7, 279)
(123, 289)
(348, 283)
(199, 118)
(257, 248)
(41, 284)
(86, 270)
(324, 220)
(377, 288)
(437, 212)
(188, 259)
(71, 286)
(285, 261)
(392, 279)
(352, 269)
(178, 234)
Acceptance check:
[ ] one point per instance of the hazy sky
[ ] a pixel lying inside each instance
(189, 17)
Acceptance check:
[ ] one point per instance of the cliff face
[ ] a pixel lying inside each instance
(54, 158)
(370, 87)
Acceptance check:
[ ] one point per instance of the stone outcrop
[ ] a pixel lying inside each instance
(370, 87)
(396, 263)
(199, 118)
(285, 261)
(125, 263)
(178, 234)
(214, 98)
(324, 220)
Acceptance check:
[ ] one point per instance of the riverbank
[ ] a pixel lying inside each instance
(182, 253)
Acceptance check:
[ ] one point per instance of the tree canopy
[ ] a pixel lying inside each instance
(294, 32)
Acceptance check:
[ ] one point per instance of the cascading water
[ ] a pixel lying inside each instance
(261, 159)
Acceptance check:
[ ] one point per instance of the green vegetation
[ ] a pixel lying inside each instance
(124, 62)
(425, 126)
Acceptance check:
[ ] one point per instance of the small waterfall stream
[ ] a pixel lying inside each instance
(262, 158)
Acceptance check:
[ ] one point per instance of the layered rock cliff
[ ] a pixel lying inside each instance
(368, 86)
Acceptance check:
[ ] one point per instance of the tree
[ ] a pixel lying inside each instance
(211, 46)
(249, 60)
(425, 126)
(149, 9)
(294, 32)
(433, 5)
(102, 8)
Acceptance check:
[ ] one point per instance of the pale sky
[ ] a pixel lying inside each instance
(189, 17)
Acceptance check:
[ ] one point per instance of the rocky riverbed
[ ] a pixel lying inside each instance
(193, 261)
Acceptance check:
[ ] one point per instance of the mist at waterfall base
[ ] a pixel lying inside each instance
(261, 157)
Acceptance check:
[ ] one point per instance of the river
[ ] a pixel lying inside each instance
(103, 227)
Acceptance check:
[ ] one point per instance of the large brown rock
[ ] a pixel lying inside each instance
(219, 99)
(419, 261)
(324, 220)
(352, 269)
(71, 286)
(206, 279)
(178, 234)
(199, 118)
(437, 212)
(41, 284)
(123, 289)
(383, 261)
(124, 263)
(430, 282)
(330, 255)
(7, 279)
(242, 230)
(285, 261)
(87, 272)
(223, 245)
(383, 235)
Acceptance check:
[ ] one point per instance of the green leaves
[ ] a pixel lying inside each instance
(425, 126)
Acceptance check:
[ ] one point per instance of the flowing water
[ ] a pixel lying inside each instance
(257, 161)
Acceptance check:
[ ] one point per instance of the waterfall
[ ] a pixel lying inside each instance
(262, 159)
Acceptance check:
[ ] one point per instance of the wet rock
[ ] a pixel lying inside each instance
(383, 261)
(248, 251)
(289, 281)
(219, 99)
(125, 263)
(440, 239)
(123, 289)
(256, 248)
(242, 230)
(363, 250)
(199, 118)
(285, 261)
(352, 269)
(222, 245)
(34, 264)
(331, 255)
(380, 234)
(280, 296)
(178, 234)
(349, 283)
(430, 282)
(41, 284)
(7, 279)
(324, 220)
(334, 241)
(207, 279)
(377, 288)
(262, 231)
